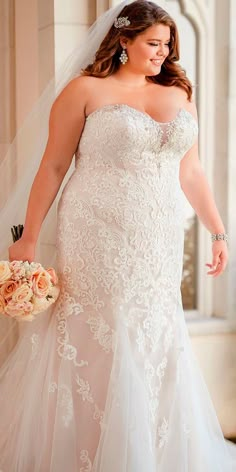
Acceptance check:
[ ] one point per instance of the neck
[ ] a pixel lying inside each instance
(129, 78)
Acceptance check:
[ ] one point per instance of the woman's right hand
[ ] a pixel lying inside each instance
(22, 250)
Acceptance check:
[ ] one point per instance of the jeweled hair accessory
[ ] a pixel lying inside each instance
(121, 21)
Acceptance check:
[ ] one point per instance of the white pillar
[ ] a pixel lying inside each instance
(71, 21)
(232, 163)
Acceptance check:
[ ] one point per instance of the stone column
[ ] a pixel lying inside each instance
(7, 76)
(26, 58)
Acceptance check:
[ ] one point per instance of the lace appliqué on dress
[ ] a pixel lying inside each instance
(102, 332)
(84, 457)
(67, 307)
(35, 340)
(65, 401)
(84, 389)
(163, 433)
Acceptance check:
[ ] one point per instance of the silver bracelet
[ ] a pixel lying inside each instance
(219, 237)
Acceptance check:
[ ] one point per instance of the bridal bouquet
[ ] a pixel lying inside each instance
(26, 288)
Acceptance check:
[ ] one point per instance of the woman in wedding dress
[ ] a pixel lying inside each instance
(106, 380)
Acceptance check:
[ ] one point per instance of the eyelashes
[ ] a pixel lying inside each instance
(154, 44)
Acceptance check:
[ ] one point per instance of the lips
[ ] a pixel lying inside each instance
(156, 62)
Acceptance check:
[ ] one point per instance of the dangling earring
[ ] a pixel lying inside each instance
(124, 56)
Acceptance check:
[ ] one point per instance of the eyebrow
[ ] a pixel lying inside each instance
(155, 39)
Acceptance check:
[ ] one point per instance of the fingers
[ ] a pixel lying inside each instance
(215, 264)
(214, 269)
(218, 266)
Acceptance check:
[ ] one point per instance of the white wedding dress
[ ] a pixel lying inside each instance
(106, 380)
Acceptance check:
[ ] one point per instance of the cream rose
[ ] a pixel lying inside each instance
(41, 284)
(36, 268)
(40, 304)
(5, 271)
(8, 288)
(19, 310)
(54, 292)
(22, 294)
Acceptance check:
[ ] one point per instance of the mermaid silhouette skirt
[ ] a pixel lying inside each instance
(106, 379)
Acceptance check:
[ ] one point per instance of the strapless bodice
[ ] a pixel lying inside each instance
(126, 137)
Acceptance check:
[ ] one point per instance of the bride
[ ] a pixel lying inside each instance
(106, 379)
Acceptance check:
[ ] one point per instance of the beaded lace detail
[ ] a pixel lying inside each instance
(120, 242)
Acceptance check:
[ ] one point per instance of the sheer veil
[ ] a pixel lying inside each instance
(19, 166)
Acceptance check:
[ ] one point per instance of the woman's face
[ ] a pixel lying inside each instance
(148, 50)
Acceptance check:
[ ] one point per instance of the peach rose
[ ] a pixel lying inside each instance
(9, 288)
(22, 294)
(53, 275)
(5, 271)
(19, 310)
(41, 283)
(2, 304)
(18, 270)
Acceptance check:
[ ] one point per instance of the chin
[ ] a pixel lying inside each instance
(154, 72)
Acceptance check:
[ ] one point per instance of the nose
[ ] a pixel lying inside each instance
(161, 50)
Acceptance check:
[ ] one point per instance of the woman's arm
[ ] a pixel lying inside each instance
(65, 126)
(196, 188)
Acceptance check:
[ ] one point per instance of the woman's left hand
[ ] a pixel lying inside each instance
(219, 258)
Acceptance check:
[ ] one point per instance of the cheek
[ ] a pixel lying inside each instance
(139, 52)
(147, 52)
(143, 53)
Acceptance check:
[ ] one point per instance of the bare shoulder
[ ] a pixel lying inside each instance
(84, 84)
(75, 93)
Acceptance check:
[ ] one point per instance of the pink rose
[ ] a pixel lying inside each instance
(53, 275)
(19, 310)
(5, 272)
(9, 288)
(18, 270)
(22, 294)
(41, 283)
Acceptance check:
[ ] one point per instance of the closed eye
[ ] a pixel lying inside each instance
(154, 44)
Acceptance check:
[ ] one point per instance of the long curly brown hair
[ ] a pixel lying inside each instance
(142, 14)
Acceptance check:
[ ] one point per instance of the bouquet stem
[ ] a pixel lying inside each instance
(16, 232)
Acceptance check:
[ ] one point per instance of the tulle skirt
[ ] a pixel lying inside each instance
(72, 402)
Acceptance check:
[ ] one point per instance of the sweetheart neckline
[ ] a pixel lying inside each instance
(117, 105)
